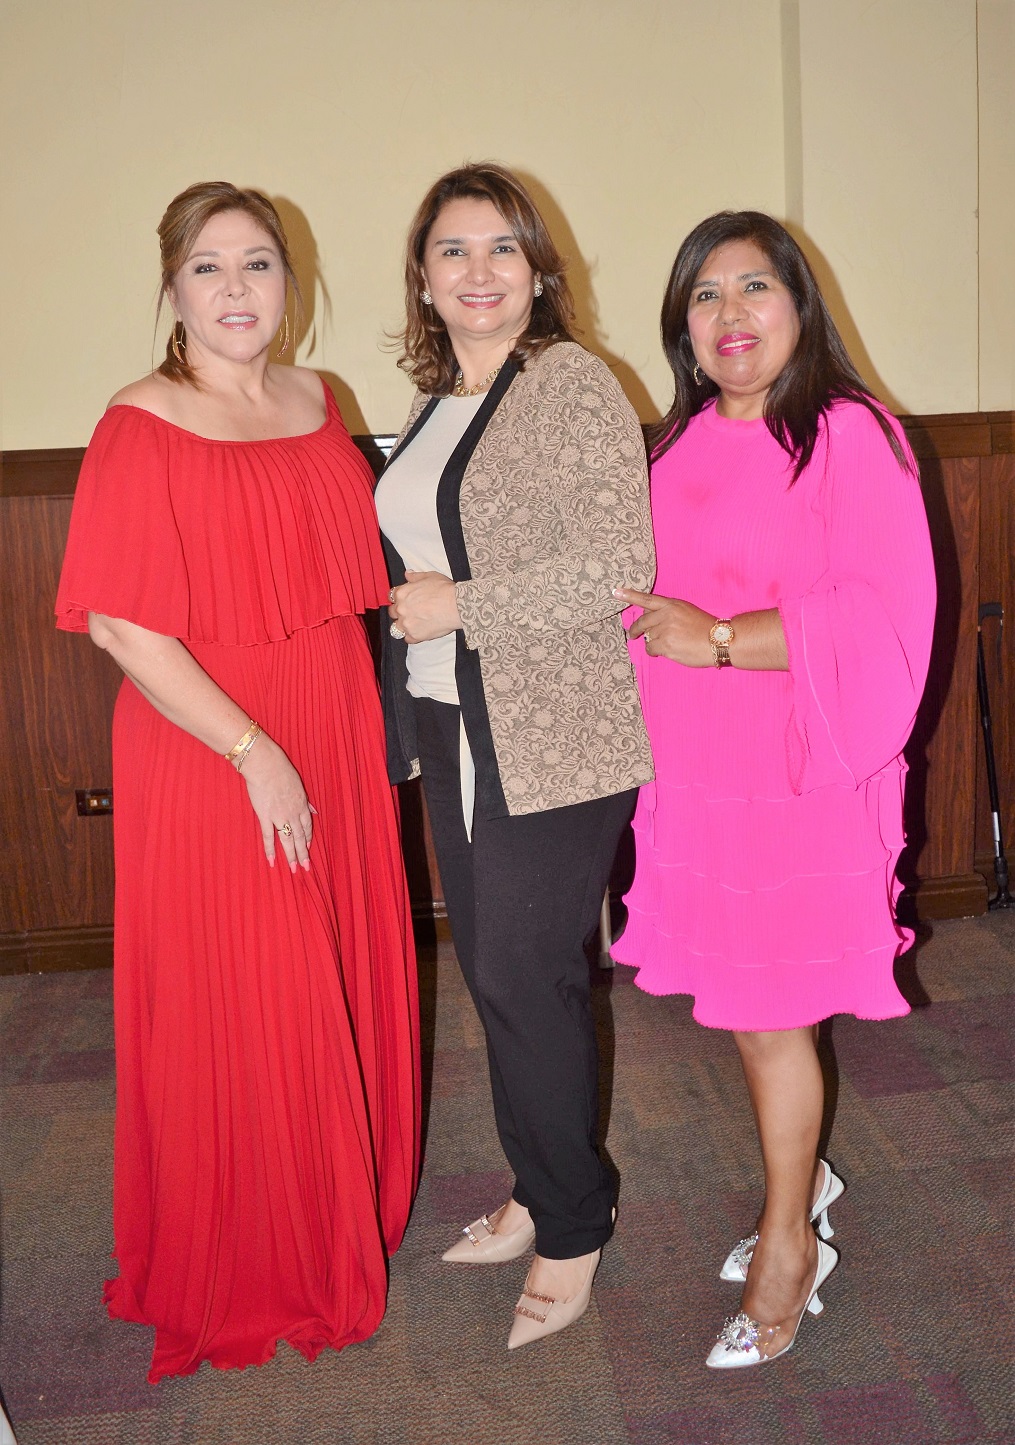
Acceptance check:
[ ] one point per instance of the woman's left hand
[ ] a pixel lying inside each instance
(425, 606)
(671, 628)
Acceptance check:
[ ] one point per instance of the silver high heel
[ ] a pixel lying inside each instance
(482, 1243)
(740, 1337)
(739, 1258)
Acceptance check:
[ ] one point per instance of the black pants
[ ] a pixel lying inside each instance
(522, 898)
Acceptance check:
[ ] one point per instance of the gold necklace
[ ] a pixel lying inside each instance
(459, 389)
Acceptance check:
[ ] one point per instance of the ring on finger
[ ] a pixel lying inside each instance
(391, 595)
(396, 632)
(648, 637)
(286, 830)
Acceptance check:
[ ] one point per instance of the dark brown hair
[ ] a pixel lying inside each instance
(186, 217)
(427, 354)
(817, 374)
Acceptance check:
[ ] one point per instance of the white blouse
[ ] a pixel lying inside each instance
(406, 499)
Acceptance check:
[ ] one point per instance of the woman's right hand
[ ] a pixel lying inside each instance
(670, 626)
(278, 798)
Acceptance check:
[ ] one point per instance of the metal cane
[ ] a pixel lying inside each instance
(1003, 898)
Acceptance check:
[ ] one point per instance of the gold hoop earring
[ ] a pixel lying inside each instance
(179, 342)
(698, 374)
(285, 326)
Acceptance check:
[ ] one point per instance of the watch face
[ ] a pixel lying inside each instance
(722, 633)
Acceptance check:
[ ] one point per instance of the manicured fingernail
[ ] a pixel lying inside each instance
(271, 862)
(618, 591)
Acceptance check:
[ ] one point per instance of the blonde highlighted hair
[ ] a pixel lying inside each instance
(186, 217)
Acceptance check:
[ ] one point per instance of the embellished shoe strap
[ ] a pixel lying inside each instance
(473, 1238)
(739, 1332)
(743, 1251)
(543, 1299)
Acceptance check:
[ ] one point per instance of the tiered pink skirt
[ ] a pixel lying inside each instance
(773, 909)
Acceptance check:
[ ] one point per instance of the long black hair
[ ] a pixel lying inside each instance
(817, 374)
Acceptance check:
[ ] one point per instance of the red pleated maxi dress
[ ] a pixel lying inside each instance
(267, 1123)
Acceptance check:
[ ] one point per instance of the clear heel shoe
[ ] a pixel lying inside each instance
(743, 1341)
(739, 1258)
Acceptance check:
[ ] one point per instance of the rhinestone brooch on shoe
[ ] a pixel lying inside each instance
(739, 1332)
(743, 1252)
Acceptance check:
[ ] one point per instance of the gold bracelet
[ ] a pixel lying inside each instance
(238, 764)
(237, 755)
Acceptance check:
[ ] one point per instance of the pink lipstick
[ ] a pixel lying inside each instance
(734, 343)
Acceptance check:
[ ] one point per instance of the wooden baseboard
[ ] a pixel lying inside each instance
(960, 895)
(984, 863)
(54, 950)
(57, 950)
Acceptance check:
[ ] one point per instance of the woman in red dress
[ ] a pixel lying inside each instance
(222, 548)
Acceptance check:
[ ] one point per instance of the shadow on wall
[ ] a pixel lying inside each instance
(306, 264)
(836, 303)
(579, 278)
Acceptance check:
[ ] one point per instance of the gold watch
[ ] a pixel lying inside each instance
(720, 637)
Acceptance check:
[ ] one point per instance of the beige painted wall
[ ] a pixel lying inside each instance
(634, 120)
(996, 44)
(887, 195)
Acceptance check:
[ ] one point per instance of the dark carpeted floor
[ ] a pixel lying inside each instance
(915, 1344)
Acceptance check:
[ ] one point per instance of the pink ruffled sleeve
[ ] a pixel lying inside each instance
(859, 641)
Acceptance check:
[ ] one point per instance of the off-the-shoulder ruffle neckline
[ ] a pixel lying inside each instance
(331, 413)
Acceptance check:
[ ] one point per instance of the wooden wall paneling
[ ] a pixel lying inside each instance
(48, 472)
(56, 700)
(949, 435)
(997, 584)
(54, 738)
(1002, 432)
(937, 864)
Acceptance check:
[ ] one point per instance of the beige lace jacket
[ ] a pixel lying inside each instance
(555, 513)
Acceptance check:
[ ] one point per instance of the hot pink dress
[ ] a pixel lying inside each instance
(766, 848)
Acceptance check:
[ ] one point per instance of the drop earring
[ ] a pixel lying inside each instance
(179, 342)
(426, 298)
(285, 341)
(537, 290)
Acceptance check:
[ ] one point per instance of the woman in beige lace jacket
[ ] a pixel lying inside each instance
(515, 500)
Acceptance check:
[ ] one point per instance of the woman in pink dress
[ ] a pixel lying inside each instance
(781, 661)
